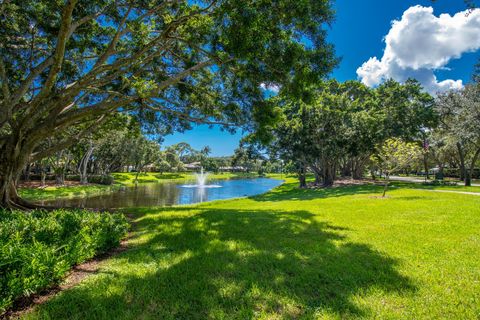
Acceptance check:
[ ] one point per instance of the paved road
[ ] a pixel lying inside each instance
(418, 180)
(452, 191)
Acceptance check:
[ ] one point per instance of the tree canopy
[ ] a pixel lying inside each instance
(171, 63)
(342, 124)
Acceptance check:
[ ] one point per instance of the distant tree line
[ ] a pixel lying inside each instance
(341, 130)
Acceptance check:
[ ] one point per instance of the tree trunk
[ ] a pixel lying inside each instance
(469, 173)
(318, 175)
(26, 172)
(425, 166)
(318, 178)
(385, 186)
(58, 168)
(358, 168)
(347, 168)
(302, 177)
(462, 162)
(468, 179)
(14, 156)
(136, 176)
(83, 165)
(60, 177)
(328, 175)
(43, 175)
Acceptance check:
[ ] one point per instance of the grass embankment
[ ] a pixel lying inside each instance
(52, 192)
(327, 253)
(121, 179)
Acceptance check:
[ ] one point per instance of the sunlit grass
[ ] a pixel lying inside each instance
(335, 253)
(459, 187)
(52, 192)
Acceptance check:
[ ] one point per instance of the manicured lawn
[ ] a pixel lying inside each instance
(52, 192)
(335, 253)
(430, 187)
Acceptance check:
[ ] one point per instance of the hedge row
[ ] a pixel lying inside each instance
(99, 179)
(38, 248)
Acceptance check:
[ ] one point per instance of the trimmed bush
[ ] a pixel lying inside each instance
(35, 176)
(440, 183)
(98, 179)
(101, 179)
(38, 248)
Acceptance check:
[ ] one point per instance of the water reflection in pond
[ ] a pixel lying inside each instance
(166, 194)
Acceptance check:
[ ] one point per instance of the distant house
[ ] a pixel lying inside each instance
(194, 166)
(150, 168)
(233, 169)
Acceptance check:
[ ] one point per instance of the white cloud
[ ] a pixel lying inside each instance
(270, 87)
(420, 43)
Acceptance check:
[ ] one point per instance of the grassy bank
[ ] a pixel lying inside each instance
(121, 179)
(52, 192)
(401, 184)
(334, 253)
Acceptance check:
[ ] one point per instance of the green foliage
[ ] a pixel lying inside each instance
(210, 165)
(343, 123)
(460, 125)
(67, 65)
(440, 183)
(406, 110)
(395, 154)
(97, 179)
(38, 248)
(292, 253)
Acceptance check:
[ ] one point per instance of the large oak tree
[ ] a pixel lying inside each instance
(66, 63)
(345, 121)
(460, 124)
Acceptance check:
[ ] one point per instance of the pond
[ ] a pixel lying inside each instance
(167, 194)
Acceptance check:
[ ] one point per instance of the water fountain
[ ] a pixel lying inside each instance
(201, 181)
(201, 178)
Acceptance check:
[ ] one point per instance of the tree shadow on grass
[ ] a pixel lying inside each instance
(291, 192)
(234, 264)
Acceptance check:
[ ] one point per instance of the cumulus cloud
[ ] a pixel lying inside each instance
(420, 43)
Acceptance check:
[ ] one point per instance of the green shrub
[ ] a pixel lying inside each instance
(38, 248)
(440, 183)
(98, 179)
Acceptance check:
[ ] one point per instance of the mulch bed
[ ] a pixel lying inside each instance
(349, 182)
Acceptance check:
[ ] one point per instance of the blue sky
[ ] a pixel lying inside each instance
(357, 33)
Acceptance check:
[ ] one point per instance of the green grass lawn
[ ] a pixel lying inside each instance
(52, 192)
(292, 254)
(414, 185)
(432, 177)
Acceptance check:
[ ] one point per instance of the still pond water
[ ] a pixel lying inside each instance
(167, 194)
